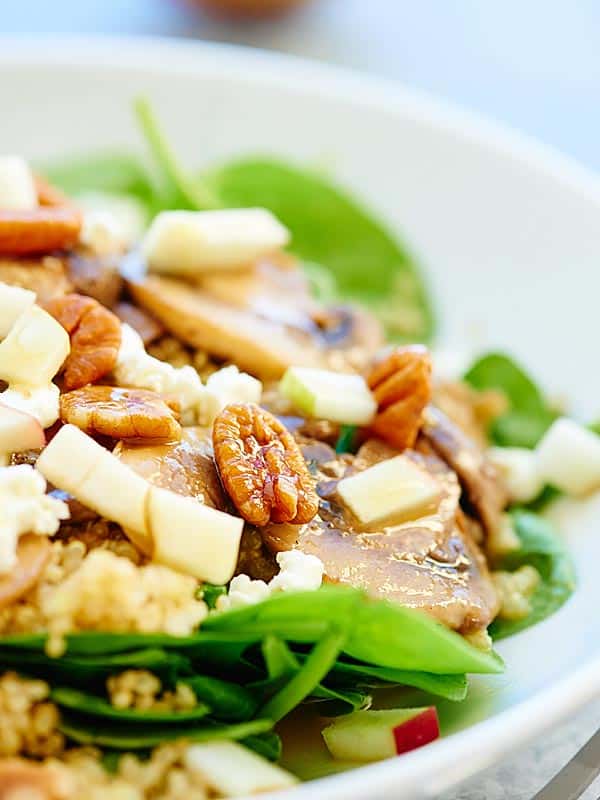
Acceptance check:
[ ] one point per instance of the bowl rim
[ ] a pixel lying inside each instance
(509, 729)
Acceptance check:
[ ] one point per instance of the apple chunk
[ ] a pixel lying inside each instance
(19, 431)
(191, 537)
(34, 349)
(13, 302)
(329, 395)
(391, 491)
(77, 464)
(375, 735)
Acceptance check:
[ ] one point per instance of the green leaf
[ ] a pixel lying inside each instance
(86, 730)
(210, 593)
(177, 189)
(346, 442)
(542, 548)
(267, 745)
(315, 668)
(450, 687)
(329, 227)
(529, 416)
(95, 706)
(86, 671)
(227, 701)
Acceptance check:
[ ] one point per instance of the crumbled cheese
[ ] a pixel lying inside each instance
(299, 572)
(101, 233)
(41, 402)
(26, 508)
(518, 467)
(199, 403)
(569, 457)
(17, 186)
(120, 217)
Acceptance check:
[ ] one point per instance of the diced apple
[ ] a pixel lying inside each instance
(13, 302)
(34, 349)
(391, 491)
(41, 402)
(19, 431)
(17, 186)
(193, 538)
(233, 770)
(77, 464)
(569, 457)
(375, 735)
(329, 395)
(519, 469)
(188, 242)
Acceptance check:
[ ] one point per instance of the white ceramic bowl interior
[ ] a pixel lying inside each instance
(507, 232)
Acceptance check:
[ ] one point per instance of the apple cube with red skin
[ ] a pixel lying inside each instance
(19, 431)
(375, 735)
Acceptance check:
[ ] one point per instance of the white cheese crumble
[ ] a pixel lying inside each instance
(42, 402)
(26, 508)
(519, 469)
(199, 403)
(299, 572)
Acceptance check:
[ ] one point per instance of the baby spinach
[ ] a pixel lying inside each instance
(543, 549)
(267, 745)
(89, 730)
(210, 593)
(227, 701)
(529, 415)
(96, 706)
(307, 678)
(347, 440)
(331, 228)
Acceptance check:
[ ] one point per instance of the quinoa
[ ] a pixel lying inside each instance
(100, 590)
(515, 590)
(142, 690)
(28, 721)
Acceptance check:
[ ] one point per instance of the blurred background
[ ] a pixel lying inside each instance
(533, 64)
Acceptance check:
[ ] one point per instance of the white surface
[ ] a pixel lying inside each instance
(509, 235)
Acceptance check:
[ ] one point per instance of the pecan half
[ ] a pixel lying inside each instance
(262, 468)
(95, 338)
(132, 414)
(54, 225)
(401, 385)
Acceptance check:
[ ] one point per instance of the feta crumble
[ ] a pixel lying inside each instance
(42, 402)
(299, 572)
(199, 403)
(26, 508)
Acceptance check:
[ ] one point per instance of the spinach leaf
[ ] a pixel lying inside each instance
(267, 745)
(543, 549)
(88, 730)
(177, 190)
(96, 706)
(111, 173)
(315, 668)
(331, 228)
(227, 701)
(346, 442)
(529, 416)
(86, 671)
(210, 593)
(450, 687)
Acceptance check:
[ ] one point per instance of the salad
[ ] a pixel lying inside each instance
(236, 480)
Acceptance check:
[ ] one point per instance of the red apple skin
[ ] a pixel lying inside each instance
(416, 732)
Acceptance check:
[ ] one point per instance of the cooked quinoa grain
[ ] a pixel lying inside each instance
(141, 690)
(515, 590)
(28, 721)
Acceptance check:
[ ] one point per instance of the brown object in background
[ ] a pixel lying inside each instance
(248, 9)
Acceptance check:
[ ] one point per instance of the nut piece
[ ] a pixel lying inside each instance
(95, 338)
(402, 387)
(133, 414)
(261, 467)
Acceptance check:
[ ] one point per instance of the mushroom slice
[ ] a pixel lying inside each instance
(255, 344)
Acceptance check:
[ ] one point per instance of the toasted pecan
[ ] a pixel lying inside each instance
(95, 338)
(261, 467)
(401, 384)
(131, 414)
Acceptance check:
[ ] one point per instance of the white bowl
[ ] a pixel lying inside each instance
(507, 230)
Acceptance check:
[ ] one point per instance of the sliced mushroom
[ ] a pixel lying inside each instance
(33, 554)
(484, 488)
(146, 326)
(96, 276)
